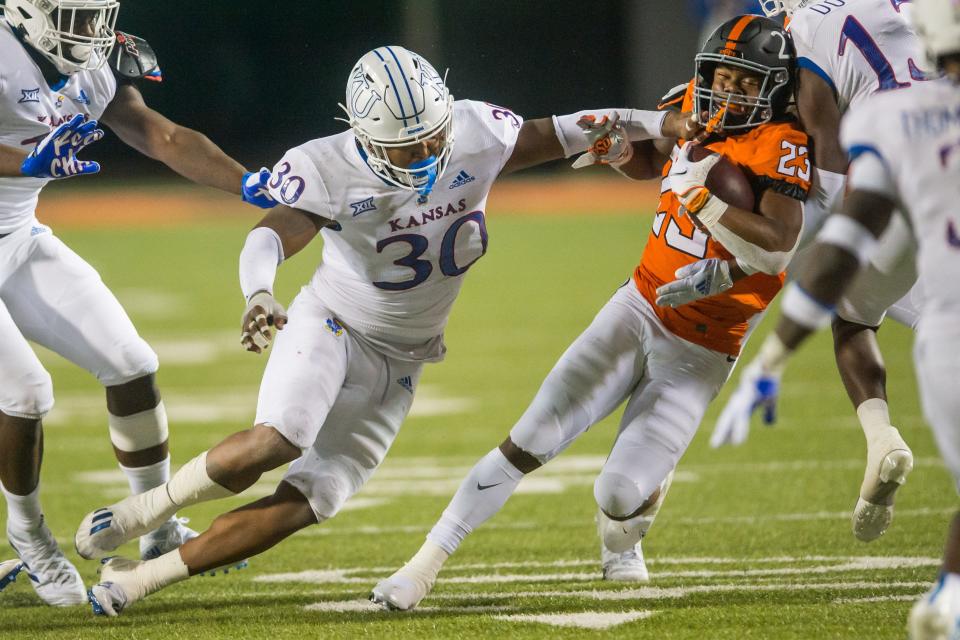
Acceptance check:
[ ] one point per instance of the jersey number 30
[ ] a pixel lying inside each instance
(419, 245)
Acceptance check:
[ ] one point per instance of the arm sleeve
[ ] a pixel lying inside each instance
(809, 56)
(870, 168)
(499, 128)
(296, 182)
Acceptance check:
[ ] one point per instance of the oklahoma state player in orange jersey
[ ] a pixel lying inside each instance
(773, 156)
(666, 364)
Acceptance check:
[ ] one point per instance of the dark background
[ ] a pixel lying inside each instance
(261, 77)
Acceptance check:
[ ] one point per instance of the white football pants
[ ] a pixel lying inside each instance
(938, 371)
(50, 295)
(625, 354)
(338, 399)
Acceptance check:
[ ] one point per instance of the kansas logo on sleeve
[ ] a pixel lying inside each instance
(335, 327)
(462, 178)
(29, 95)
(362, 206)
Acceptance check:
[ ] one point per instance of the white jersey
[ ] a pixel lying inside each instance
(920, 151)
(393, 265)
(29, 109)
(857, 46)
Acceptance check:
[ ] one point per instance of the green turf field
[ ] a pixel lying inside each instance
(752, 542)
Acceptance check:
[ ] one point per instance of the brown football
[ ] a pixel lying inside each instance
(726, 180)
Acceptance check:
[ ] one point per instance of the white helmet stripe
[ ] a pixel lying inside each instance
(393, 84)
(416, 111)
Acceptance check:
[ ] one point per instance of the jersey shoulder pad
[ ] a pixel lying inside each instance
(133, 59)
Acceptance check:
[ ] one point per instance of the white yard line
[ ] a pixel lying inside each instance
(597, 620)
(857, 564)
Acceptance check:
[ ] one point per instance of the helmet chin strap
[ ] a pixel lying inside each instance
(426, 178)
(81, 52)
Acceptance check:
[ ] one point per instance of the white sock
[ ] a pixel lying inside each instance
(191, 484)
(142, 479)
(874, 417)
(140, 579)
(24, 513)
(483, 493)
(427, 562)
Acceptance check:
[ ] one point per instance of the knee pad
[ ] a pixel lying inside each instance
(617, 494)
(139, 431)
(30, 397)
(134, 359)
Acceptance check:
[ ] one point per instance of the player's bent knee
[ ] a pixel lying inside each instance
(132, 360)
(30, 397)
(268, 445)
(617, 495)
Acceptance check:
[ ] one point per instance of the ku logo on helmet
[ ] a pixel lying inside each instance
(364, 96)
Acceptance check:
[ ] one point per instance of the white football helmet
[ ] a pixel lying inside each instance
(937, 23)
(395, 98)
(54, 28)
(773, 8)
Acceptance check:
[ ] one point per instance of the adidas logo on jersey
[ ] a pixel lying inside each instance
(462, 178)
(406, 382)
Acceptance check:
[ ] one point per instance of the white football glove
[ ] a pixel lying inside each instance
(609, 142)
(263, 312)
(700, 279)
(757, 389)
(688, 178)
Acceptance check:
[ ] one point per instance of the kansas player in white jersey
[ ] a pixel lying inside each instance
(905, 150)
(399, 200)
(847, 50)
(63, 67)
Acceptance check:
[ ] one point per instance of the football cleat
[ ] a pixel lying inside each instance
(624, 567)
(401, 591)
(53, 577)
(9, 570)
(171, 535)
(621, 567)
(120, 586)
(412, 582)
(107, 599)
(621, 536)
(105, 529)
(889, 462)
(936, 616)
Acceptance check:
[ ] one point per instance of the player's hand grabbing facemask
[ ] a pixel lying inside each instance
(263, 316)
(253, 189)
(56, 155)
(696, 280)
(688, 178)
(608, 142)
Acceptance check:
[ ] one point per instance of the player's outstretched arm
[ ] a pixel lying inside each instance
(820, 118)
(188, 152)
(283, 232)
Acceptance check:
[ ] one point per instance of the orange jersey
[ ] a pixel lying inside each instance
(771, 156)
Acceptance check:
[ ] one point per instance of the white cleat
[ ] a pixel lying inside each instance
(412, 582)
(171, 535)
(622, 536)
(400, 592)
(107, 599)
(889, 462)
(105, 529)
(9, 570)
(624, 567)
(119, 587)
(53, 577)
(936, 616)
